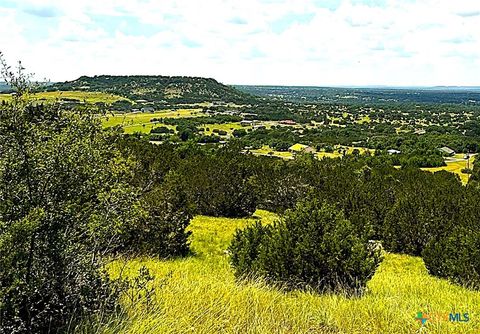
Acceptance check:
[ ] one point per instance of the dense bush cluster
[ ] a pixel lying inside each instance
(61, 185)
(405, 208)
(313, 246)
(68, 197)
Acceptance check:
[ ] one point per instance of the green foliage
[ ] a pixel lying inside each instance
(162, 130)
(239, 133)
(454, 253)
(218, 184)
(422, 211)
(313, 246)
(61, 184)
(157, 88)
(162, 231)
(455, 256)
(69, 196)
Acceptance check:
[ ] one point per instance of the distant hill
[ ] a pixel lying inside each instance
(157, 88)
(4, 87)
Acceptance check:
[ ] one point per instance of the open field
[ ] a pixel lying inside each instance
(455, 167)
(140, 122)
(88, 97)
(228, 127)
(266, 150)
(200, 295)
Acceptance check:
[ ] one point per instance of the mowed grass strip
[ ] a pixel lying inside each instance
(199, 294)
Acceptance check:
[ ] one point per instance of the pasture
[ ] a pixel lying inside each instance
(455, 166)
(81, 96)
(266, 150)
(199, 294)
(141, 122)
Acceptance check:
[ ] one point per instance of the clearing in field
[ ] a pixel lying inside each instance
(200, 295)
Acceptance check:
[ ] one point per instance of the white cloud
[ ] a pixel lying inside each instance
(427, 42)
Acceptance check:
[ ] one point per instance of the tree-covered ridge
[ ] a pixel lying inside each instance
(176, 89)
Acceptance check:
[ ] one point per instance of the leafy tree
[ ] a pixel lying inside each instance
(62, 185)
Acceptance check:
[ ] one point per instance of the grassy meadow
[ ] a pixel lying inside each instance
(140, 122)
(228, 127)
(88, 97)
(455, 167)
(266, 150)
(199, 294)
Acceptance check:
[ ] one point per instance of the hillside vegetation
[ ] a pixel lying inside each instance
(103, 232)
(200, 295)
(156, 88)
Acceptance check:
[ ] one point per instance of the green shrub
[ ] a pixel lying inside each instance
(456, 257)
(454, 253)
(161, 232)
(313, 246)
(218, 185)
(61, 183)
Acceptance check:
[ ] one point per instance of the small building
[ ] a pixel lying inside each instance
(447, 151)
(392, 151)
(148, 109)
(246, 123)
(249, 116)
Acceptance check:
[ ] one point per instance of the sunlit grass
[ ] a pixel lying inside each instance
(88, 97)
(228, 127)
(266, 150)
(141, 122)
(199, 294)
(455, 167)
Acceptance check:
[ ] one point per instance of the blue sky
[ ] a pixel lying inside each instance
(301, 42)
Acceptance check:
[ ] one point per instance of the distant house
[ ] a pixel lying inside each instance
(300, 148)
(246, 123)
(288, 122)
(392, 151)
(447, 151)
(248, 116)
(148, 109)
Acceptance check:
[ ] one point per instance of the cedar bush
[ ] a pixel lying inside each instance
(455, 252)
(456, 257)
(218, 184)
(313, 246)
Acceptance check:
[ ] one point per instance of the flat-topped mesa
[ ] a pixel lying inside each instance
(171, 89)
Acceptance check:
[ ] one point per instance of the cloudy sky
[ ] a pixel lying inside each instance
(289, 42)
